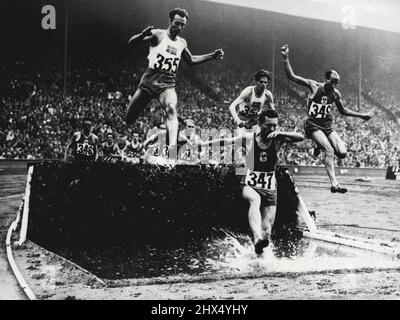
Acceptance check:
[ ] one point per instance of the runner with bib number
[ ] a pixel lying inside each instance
(165, 52)
(246, 108)
(84, 144)
(259, 183)
(318, 125)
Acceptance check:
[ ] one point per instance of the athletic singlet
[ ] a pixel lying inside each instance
(160, 148)
(166, 55)
(249, 109)
(85, 147)
(261, 164)
(133, 151)
(320, 106)
(185, 151)
(109, 149)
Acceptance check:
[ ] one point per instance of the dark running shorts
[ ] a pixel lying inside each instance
(268, 197)
(310, 125)
(154, 81)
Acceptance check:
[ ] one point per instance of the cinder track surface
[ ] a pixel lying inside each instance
(11, 190)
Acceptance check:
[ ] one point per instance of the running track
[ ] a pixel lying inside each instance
(11, 191)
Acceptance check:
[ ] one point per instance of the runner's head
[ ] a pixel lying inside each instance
(87, 126)
(189, 126)
(177, 21)
(332, 79)
(262, 77)
(268, 121)
(135, 137)
(110, 136)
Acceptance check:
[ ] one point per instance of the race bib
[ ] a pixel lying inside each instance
(319, 111)
(249, 112)
(85, 149)
(261, 180)
(166, 64)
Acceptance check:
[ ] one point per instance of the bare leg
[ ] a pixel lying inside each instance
(323, 142)
(254, 200)
(169, 100)
(338, 145)
(268, 218)
(139, 101)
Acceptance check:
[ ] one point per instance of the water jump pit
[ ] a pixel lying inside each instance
(230, 256)
(70, 214)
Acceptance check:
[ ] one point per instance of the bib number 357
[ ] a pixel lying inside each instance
(261, 180)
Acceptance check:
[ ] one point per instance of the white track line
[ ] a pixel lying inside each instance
(352, 242)
(12, 196)
(11, 260)
(24, 223)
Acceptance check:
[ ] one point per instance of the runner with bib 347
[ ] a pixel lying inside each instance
(259, 183)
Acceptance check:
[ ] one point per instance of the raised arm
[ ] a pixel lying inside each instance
(348, 112)
(146, 35)
(289, 71)
(196, 59)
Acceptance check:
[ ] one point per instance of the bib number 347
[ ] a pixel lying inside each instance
(261, 180)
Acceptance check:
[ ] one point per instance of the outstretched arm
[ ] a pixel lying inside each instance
(289, 71)
(286, 136)
(238, 138)
(196, 59)
(146, 35)
(348, 112)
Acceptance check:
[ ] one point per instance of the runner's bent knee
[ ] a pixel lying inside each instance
(329, 152)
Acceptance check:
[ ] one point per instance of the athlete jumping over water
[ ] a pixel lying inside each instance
(318, 125)
(166, 50)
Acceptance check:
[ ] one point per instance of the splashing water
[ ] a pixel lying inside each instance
(302, 255)
(225, 253)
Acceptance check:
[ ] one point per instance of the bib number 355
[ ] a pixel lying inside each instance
(166, 64)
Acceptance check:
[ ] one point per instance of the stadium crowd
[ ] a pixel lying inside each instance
(37, 120)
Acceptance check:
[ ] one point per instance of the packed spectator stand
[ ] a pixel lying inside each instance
(37, 119)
